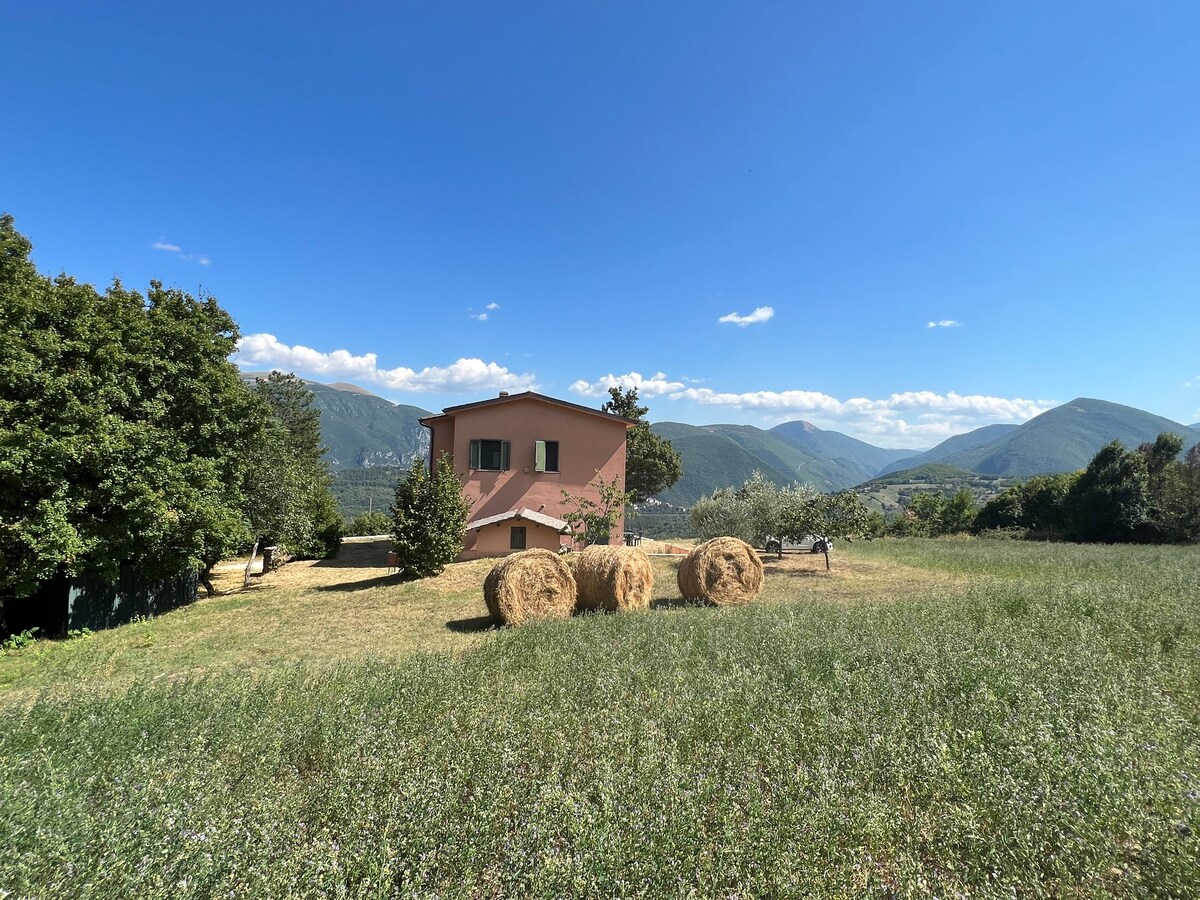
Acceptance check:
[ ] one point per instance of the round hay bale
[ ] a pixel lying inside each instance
(725, 571)
(612, 578)
(532, 584)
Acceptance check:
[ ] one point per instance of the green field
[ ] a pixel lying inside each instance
(950, 718)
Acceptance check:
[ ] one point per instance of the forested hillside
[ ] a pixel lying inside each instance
(361, 430)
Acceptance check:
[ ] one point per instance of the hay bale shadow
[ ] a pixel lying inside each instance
(472, 625)
(358, 554)
(366, 584)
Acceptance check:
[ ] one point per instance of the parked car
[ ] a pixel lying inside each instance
(811, 543)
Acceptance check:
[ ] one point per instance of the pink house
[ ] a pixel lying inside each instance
(515, 454)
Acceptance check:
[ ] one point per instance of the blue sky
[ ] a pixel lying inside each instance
(899, 221)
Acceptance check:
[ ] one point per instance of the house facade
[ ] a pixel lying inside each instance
(515, 454)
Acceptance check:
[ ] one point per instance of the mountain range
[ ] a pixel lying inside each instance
(1061, 440)
(362, 430)
(716, 456)
(371, 440)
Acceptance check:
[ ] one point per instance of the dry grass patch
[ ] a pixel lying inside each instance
(851, 579)
(316, 613)
(462, 577)
(325, 613)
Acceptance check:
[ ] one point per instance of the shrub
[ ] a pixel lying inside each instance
(367, 523)
(429, 518)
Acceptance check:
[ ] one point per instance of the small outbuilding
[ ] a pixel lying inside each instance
(518, 529)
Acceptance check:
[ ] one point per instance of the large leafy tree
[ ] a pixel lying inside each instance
(1110, 501)
(291, 503)
(1043, 503)
(1174, 489)
(210, 416)
(123, 426)
(933, 514)
(1188, 493)
(651, 464)
(725, 513)
(1037, 505)
(291, 403)
(843, 515)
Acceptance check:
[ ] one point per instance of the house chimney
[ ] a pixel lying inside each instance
(504, 393)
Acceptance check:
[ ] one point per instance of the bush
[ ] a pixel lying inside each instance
(429, 519)
(368, 523)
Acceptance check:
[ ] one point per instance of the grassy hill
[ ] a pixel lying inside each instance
(785, 456)
(932, 718)
(1067, 437)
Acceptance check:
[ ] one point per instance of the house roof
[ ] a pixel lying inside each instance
(528, 395)
(537, 518)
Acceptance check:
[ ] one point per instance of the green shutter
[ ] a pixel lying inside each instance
(504, 456)
(539, 456)
(474, 454)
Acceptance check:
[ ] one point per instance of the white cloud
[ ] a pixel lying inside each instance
(999, 408)
(909, 419)
(944, 323)
(493, 306)
(464, 375)
(655, 385)
(481, 317)
(1192, 382)
(759, 315)
(164, 244)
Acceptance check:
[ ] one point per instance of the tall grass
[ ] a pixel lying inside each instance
(1029, 729)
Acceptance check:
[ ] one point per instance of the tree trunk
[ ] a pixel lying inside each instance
(206, 578)
(828, 567)
(249, 564)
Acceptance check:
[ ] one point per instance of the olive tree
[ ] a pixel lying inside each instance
(759, 510)
(592, 521)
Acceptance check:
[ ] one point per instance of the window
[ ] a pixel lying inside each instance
(545, 455)
(490, 455)
(516, 540)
